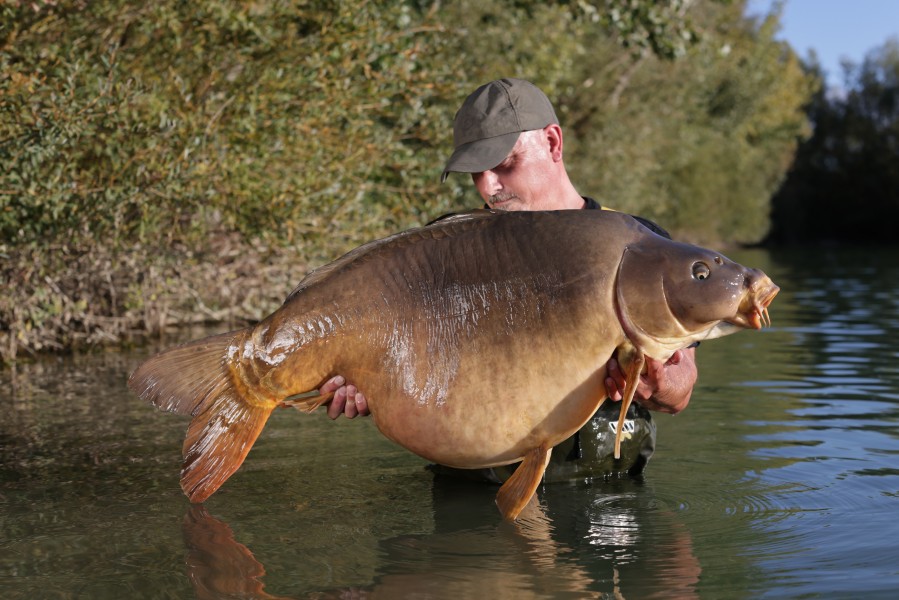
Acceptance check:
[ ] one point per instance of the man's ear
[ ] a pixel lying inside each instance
(553, 135)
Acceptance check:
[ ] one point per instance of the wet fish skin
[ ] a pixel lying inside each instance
(479, 340)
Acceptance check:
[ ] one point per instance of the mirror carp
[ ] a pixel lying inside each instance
(480, 340)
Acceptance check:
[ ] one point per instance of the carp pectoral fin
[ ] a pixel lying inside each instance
(630, 388)
(514, 495)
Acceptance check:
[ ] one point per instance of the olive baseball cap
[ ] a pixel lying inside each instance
(487, 126)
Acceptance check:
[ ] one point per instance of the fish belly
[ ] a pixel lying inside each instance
(484, 414)
(486, 436)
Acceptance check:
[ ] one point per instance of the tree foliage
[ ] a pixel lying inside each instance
(844, 185)
(698, 144)
(315, 125)
(131, 119)
(302, 120)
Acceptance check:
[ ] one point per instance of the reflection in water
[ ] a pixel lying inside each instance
(217, 565)
(613, 528)
(469, 554)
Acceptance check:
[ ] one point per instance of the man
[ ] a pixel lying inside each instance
(507, 135)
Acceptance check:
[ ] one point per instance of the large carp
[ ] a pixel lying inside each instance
(480, 340)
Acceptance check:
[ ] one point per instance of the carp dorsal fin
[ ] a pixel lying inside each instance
(518, 490)
(317, 275)
(465, 215)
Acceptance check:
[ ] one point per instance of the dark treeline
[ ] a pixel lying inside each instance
(172, 162)
(844, 183)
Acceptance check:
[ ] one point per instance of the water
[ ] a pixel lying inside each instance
(781, 480)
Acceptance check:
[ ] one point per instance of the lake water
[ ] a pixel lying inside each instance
(781, 480)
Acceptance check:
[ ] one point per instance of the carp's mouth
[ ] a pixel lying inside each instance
(753, 311)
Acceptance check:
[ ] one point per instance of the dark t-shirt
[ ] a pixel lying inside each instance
(591, 204)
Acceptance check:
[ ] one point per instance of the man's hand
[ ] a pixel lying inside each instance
(347, 399)
(664, 387)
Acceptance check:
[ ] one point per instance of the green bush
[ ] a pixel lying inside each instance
(130, 121)
(312, 126)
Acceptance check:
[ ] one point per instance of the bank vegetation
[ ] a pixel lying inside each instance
(172, 162)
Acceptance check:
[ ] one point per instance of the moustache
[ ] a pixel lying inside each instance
(502, 197)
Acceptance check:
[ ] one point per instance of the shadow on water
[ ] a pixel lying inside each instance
(780, 480)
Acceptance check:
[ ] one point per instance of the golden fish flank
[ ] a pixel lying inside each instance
(430, 322)
(455, 314)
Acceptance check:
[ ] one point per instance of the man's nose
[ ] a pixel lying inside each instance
(489, 182)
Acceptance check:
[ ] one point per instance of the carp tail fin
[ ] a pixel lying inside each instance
(180, 379)
(518, 490)
(218, 440)
(195, 379)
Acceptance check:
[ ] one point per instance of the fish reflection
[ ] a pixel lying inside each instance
(218, 566)
(469, 555)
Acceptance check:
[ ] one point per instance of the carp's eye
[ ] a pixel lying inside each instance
(701, 270)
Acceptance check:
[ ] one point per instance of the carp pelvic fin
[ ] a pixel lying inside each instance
(518, 490)
(634, 368)
(195, 379)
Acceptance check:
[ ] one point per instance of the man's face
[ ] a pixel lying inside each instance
(524, 180)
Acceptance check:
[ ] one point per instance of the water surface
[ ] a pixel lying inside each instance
(781, 480)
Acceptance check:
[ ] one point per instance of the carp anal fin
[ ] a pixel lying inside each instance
(634, 367)
(518, 490)
(307, 401)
